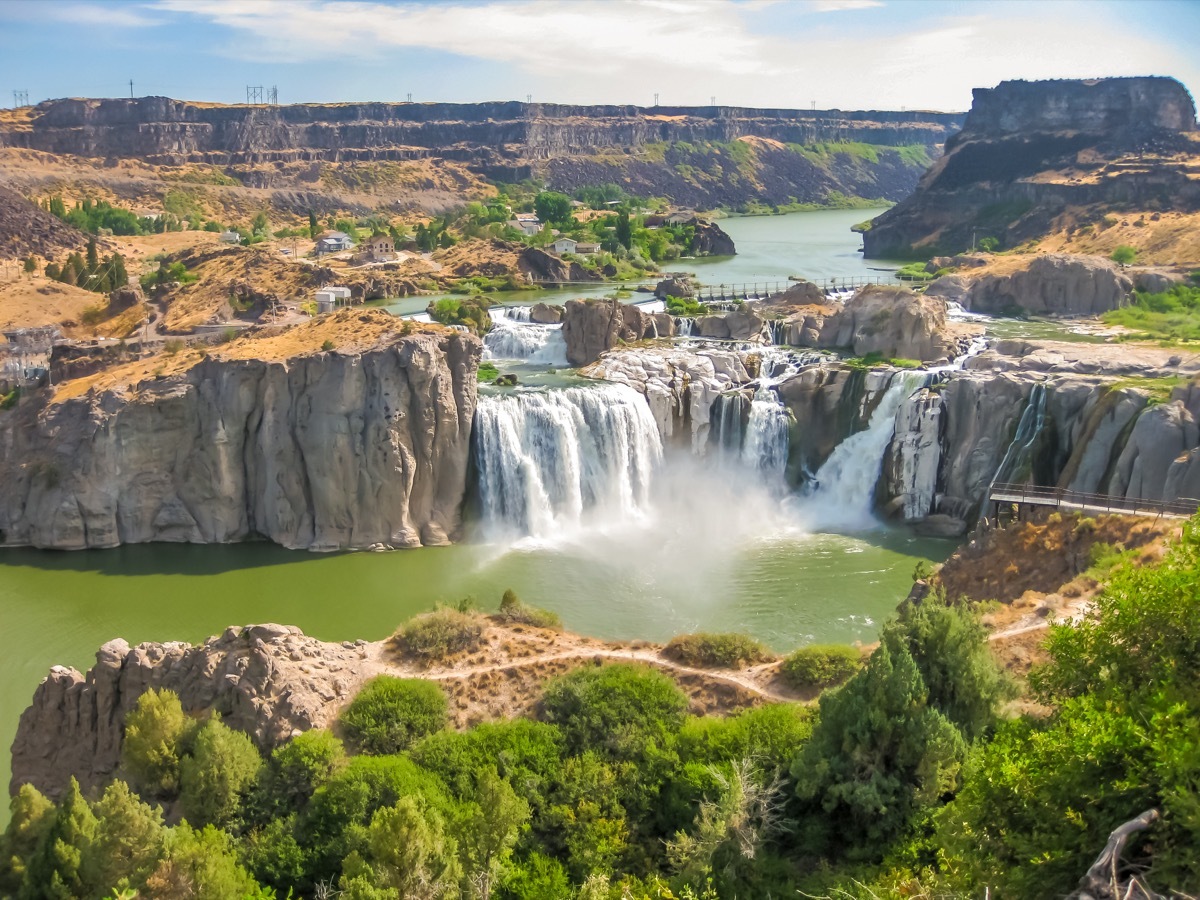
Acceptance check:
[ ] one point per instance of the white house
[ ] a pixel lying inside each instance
(587, 249)
(334, 242)
(565, 245)
(526, 223)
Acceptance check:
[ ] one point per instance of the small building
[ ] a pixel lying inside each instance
(334, 242)
(230, 237)
(587, 249)
(564, 245)
(329, 298)
(526, 223)
(378, 247)
(681, 217)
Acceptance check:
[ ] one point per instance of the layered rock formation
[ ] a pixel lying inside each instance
(1050, 284)
(1029, 151)
(269, 681)
(324, 451)
(566, 146)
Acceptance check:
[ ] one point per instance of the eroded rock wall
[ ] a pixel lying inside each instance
(322, 452)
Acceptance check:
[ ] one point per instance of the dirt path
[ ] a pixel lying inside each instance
(741, 679)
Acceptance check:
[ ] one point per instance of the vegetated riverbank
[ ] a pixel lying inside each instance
(766, 800)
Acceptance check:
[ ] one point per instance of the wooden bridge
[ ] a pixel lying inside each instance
(1091, 504)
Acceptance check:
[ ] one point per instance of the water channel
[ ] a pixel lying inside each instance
(685, 549)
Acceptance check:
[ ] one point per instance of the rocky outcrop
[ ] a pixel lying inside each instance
(27, 229)
(675, 286)
(323, 451)
(742, 324)
(539, 265)
(1050, 284)
(269, 681)
(891, 322)
(710, 240)
(545, 314)
(1029, 151)
(591, 327)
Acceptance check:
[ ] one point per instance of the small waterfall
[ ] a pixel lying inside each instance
(727, 427)
(685, 326)
(845, 484)
(510, 313)
(767, 435)
(1017, 465)
(548, 460)
(518, 339)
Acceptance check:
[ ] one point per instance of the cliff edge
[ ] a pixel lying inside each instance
(1037, 157)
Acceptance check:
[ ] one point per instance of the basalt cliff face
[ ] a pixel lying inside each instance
(322, 451)
(1030, 153)
(698, 156)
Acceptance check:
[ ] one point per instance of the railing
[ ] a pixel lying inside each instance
(1180, 508)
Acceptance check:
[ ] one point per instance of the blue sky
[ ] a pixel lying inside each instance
(852, 54)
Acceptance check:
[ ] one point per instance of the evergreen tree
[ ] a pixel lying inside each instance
(222, 767)
(54, 870)
(624, 230)
(492, 823)
(118, 276)
(53, 271)
(128, 840)
(93, 260)
(57, 207)
(30, 265)
(313, 228)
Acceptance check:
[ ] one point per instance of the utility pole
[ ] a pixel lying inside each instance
(410, 97)
(254, 95)
(273, 96)
(529, 98)
(130, 88)
(20, 98)
(656, 98)
(712, 101)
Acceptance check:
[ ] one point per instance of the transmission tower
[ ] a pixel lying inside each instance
(410, 98)
(273, 96)
(20, 98)
(529, 98)
(254, 95)
(656, 98)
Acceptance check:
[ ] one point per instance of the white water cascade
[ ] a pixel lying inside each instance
(550, 461)
(514, 337)
(845, 484)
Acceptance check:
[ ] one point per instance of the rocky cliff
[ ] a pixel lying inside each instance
(341, 448)
(591, 327)
(1036, 156)
(1051, 284)
(698, 156)
(270, 681)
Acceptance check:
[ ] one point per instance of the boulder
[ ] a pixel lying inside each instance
(710, 240)
(892, 322)
(675, 286)
(1153, 282)
(741, 324)
(545, 314)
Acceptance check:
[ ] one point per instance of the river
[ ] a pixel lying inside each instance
(698, 553)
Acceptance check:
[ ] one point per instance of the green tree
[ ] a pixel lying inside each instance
(1124, 254)
(53, 872)
(128, 841)
(30, 265)
(31, 817)
(302, 765)
(950, 647)
(57, 207)
(585, 822)
(491, 823)
(199, 865)
(220, 770)
(93, 261)
(275, 857)
(155, 731)
(879, 755)
(552, 207)
(390, 713)
(412, 852)
(260, 224)
(118, 276)
(52, 271)
(537, 877)
(314, 227)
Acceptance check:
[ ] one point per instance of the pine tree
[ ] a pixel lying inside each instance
(93, 261)
(624, 230)
(313, 228)
(54, 869)
(30, 265)
(118, 278)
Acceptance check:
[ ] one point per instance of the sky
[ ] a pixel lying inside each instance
(847, 54)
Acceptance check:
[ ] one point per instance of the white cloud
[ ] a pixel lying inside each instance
(88, 14)
(615, 51)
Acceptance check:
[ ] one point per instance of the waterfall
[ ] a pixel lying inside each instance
(1017, 465)
(549, 460)
(510, 313)
(845, 484)
(685, 326)
(726, 422)
(535, 344)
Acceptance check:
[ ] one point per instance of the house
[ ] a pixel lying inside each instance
(334, 241)
(526, 223)
(565, 245)
(379, 246)
(230, 237)
(587, 249)
(681, 217)
(328, 298)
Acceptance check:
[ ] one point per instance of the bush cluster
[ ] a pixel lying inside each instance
(513, 611)
(390, 713)
(726, 651)
(820, 665)
(441, 633)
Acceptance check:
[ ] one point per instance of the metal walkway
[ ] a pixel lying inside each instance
(1092, 504)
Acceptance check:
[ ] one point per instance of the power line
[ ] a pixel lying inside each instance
(20, 98)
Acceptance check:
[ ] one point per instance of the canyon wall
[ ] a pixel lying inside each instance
(696, 156)
(326, 451)
(1031, 151)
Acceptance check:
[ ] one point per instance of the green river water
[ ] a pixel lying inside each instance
(750, 569)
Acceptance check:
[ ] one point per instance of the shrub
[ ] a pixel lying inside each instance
(1124, 254)
(303, 764)
(716, 650)
(821, 665)
(513, 611)
(327, 345)
(444, 631)
(488, 371)
(390, 713)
